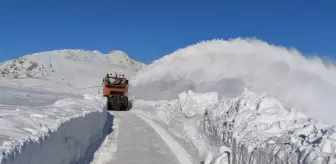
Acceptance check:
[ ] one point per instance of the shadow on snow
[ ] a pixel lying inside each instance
(89, 154)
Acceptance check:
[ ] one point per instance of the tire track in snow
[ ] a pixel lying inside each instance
(174, 146)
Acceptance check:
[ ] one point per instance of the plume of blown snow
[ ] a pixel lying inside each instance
(227, 66)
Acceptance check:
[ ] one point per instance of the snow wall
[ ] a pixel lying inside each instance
(302, 88)
(253, 128)
(69, 139)
(227, 66)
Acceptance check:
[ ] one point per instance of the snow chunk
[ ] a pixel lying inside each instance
(251, 124)
(192, 103)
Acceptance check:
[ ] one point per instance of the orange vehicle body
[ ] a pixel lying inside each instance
(121, 89)
(116, 92)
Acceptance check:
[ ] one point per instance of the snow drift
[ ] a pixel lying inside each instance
(44, 117)
(257, 129)
(43, 122)
(227, 66)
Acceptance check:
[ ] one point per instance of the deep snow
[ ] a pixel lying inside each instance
(227, 66)
(255, 129)
(268, 124)
(48, 111)
(41, 125)
(264, 102)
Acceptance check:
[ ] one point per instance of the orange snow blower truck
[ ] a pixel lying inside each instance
(116, 92)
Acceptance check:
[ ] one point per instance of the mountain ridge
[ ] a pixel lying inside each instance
(75, 67)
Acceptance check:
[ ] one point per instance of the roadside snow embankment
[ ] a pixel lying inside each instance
(257, 129)
(37, 127)
(227, 66)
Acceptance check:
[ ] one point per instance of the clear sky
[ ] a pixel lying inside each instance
(149, 29)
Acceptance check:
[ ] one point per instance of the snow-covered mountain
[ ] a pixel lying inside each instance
(45, 99)
(77, 68)
(239, 100)
(122, 60)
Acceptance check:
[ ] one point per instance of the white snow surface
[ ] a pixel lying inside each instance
(266, 103)
(256, 102)
(43, 122)
(48, 111)
(227, 66)
(109, 146)
(192, 104)
(136, 138)
(175, 147)
(253, 128)
(77, 68)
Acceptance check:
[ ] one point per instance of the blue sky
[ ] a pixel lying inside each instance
(149, 29)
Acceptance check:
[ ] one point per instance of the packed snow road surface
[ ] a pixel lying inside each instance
(136, 139)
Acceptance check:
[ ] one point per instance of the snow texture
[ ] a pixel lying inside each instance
(179, 152)
(137, 139)
(257, 129)
(273, 104)
(109, 147)
(41, 126)
(227, 66)
(82, 70)
(48, 113)
(202, 92)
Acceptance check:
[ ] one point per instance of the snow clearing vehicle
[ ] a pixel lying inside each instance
(116, 92)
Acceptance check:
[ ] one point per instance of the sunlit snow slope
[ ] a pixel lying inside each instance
(226, 66)
(46, 97)
(77, 68)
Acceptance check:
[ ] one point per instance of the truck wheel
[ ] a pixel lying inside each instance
(108, 106)
(126, 107)
(126, 104)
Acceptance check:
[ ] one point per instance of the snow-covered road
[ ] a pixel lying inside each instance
(34, 108)
(136, 139)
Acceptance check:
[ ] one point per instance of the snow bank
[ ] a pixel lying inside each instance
(192, 103)
(37, 126)
(257, 129)
(227, 66)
